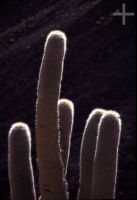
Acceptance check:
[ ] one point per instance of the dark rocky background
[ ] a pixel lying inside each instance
(99, 72)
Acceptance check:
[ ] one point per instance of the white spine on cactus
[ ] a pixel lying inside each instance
(19, 163)
(52, 181)
(87, 153)
(66, 119)
(106, 157)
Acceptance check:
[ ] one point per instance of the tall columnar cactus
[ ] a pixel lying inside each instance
(54, 123)
(20, 167)
(66, 118)
(106, 157)
(52, 180)
(87, 153)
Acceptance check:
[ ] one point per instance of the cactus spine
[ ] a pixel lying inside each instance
(19, 159)
(52, 180)
(106, 157)
(87, 153)
(66, 119)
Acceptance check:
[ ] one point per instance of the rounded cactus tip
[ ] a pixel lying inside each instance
(19, 128)
(112, 115)
(58, 38)
(66, 102)
(97, 112)
(111, 118)
(57, 34)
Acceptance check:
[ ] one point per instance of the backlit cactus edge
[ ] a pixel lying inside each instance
(54, 124)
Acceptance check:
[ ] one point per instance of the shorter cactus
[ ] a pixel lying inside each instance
(20, 166)
(66, 119)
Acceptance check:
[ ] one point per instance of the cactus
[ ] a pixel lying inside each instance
(52, 180)
(106, 157)
(99, 155)
(66, 118)
(20, 167)
(87, 153)
(54, 123)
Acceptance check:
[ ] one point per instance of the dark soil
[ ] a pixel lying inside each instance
(99, 72)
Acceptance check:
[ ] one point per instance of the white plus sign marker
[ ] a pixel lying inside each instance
(123, 14)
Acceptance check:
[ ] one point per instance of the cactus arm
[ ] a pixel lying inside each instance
(66, 119)
(106, 157)
(51, 172)
(87, 153)
(19, 163)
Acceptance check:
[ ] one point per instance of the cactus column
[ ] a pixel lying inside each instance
(87, 153)
(52, 181)
(19, 160)
(66, 120)
(106, 157)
